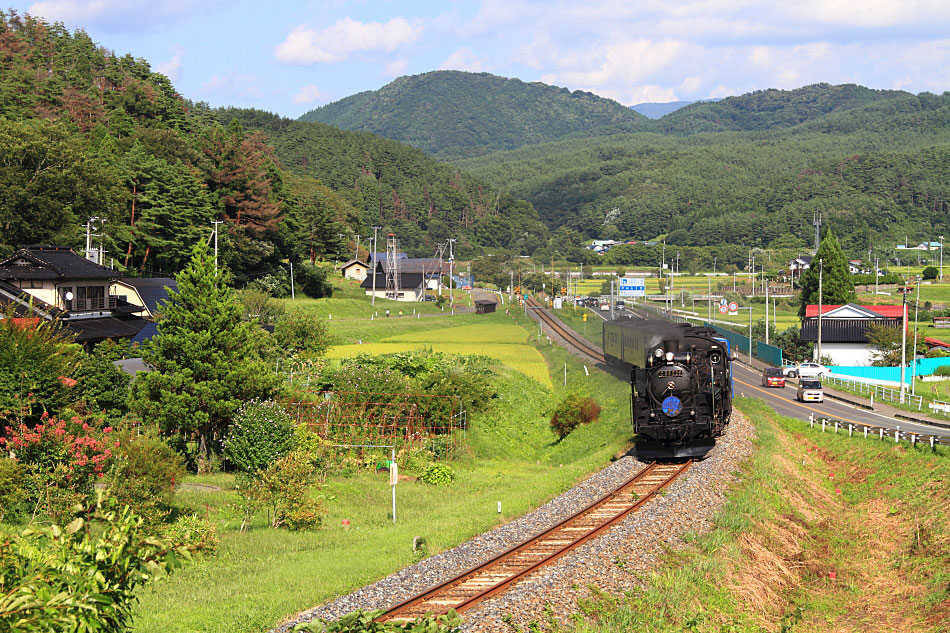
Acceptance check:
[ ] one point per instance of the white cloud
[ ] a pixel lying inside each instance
(346, 37)
(650, 94)
(397, 67)
(120, 15)
(172, 68)
(463, 59)
(720, 92)
(309, 94)
(621, 62)
(234, 86)
(691, 84)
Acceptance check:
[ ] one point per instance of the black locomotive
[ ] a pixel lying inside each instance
(681, 381)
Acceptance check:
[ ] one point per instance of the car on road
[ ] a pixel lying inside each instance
(773, 377)
(809, 390)
(806, 370)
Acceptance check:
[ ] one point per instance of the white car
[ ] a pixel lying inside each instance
(807, 370)
(809, 390)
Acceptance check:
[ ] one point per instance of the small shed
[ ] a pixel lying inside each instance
(484, 306)
(354, 269)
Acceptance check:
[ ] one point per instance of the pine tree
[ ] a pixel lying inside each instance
(206, 362)
(837, 287)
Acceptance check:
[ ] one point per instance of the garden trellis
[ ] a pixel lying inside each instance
(406, 420)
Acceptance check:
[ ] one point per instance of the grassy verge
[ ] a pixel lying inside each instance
(824, 533)
(264, 575)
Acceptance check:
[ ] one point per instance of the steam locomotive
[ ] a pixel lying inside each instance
(681, 383)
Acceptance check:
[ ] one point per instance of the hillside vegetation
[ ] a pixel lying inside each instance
(452, 113)
(85, 133)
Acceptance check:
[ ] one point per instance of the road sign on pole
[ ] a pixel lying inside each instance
(723, 309)
(632, 287)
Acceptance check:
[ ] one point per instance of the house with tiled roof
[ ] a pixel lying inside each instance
(54, 282)
(844, 329)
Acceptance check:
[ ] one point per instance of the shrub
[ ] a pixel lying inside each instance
(194, 531)
(284, 487)
(261, 433)
(299, 331)
(438, 475)
(943, 370)
(261, 306)
(930, 272)
(143, 476)
(101, 384)
(76, 579)
(13, 492)
(573, 411)
(315, 280)
(365, 622)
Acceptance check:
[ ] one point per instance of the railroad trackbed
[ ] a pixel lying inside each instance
(495, 575)
(555, 325)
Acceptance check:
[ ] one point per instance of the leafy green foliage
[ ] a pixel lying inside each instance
(438, 475)
(262, 432)
(283, 487)
(36, 369)
(192, 530)
(13, 491)
(301, 332)
(143, 475)
(456, 113)
(206, 358)
(575, 409)
(930, 272)
(831, 264)
(365, 622)
(83, 577)
(885, 344)
(102, 385)
(314, 279)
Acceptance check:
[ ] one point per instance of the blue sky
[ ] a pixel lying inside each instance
(289, 57)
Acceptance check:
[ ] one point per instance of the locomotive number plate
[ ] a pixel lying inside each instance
(670, 373)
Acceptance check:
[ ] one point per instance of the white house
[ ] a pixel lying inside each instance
(844, 329)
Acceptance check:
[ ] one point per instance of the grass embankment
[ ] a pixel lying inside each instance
(824, 533)
(264, 575)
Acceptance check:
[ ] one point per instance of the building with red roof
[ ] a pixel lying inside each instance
(844, 329)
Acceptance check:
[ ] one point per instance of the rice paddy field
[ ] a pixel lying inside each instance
(505, 343)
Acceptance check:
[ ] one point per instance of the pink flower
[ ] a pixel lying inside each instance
(108, 429)
(68, 382)
(117, 442)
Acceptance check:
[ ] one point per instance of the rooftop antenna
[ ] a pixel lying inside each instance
(392, 267)
(91, 253)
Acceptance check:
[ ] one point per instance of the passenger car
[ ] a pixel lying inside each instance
(807, 370)
(809, 390)
(773, 377)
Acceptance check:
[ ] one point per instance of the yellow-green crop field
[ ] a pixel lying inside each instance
(505, 343)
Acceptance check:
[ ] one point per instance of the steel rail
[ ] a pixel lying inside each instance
(562, 331)
(493, 576)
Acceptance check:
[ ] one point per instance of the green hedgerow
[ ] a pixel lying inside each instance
(262, 432)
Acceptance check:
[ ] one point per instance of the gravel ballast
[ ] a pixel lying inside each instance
(611, 561)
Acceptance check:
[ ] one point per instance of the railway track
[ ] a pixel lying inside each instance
(493, 576)
(579, 344)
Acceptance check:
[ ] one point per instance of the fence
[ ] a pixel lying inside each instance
(874, 392)
(919, 367)
(870, 431)
(740, 344)
(413, 421)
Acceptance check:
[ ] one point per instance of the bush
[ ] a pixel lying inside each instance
(194, 531)
(276, 284)
(101, 384)
(261, 306)
(284, 488)
(143, 476)
(13, 493)
(300, 331)
(438, 475)
(365, 622)
(930, 272)
(315, 280)
(76, 579)
(943, 370)
(261, 433)
(573, 411)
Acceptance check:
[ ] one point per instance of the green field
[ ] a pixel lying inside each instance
(512, 457)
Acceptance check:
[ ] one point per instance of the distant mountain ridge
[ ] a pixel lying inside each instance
(656, 110)
(457, 114)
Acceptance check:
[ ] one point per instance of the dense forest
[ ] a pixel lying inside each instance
(449, 113)
(86, 133)
(878, 174)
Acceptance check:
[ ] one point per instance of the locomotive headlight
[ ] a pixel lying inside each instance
(669, 357)
(658, 353)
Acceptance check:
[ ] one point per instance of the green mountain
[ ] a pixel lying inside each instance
(88, 133)
(770, 109)
(876, 172)
(455, 114)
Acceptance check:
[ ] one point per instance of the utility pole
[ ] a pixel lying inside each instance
(877, 274)
(821, 270)
(373, 264)
(941, 258)
(216, 223)
(451, 268)
(817, 222)
(913, 372)
(766, 312)
(357, 256)
(903, 342)
(292, 294)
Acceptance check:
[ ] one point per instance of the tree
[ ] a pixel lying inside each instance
(837, 286)
(206, 360)
(930, 272)
(885, 343)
